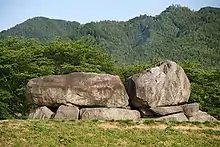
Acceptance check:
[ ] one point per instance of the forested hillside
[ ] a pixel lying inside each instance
(178, 33)
(42, 28)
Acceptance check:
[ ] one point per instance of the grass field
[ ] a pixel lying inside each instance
(27, 133)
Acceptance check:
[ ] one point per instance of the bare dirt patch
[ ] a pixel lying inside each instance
(108, 125)
(115, 125)
(12, 124)
(121, 142)
(193, 127)
(143, 126)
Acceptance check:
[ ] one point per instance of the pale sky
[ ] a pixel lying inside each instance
(13, 12)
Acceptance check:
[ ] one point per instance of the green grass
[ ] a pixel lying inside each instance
(46, 133)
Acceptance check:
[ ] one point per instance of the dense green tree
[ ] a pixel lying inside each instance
(205, 87)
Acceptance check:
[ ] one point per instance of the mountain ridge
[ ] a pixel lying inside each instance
(177, 33)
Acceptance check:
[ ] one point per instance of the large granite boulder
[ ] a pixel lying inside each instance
(67, 112)
(41, 113)
(108, 114)
(80, 89)
(163, 85)
(173, 117)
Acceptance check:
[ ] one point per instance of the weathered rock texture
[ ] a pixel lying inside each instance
(202, 117)
(164, 85)
(191, 109)
(80, 89)
(41, 113)
(173, 117)
(67, 112)
(166, 110)
(108, 114)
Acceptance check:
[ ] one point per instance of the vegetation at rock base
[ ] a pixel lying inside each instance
(97, 133)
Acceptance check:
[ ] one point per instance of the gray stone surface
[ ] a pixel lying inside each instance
(203, 117)
(166, 110)
(173, 117)
(163, 85)
(67, 112)
(81, 89)
(190, 109)
(108, 114)
(41, 113)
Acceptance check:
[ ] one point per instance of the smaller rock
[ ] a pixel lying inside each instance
(67, 112)
(69, 104)
(190, 109)
(143, 109)
(41, 113)
(127, 107)
(203, 117)
(167, 110)
(108, 114)
(146, 112)
(173, 117)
